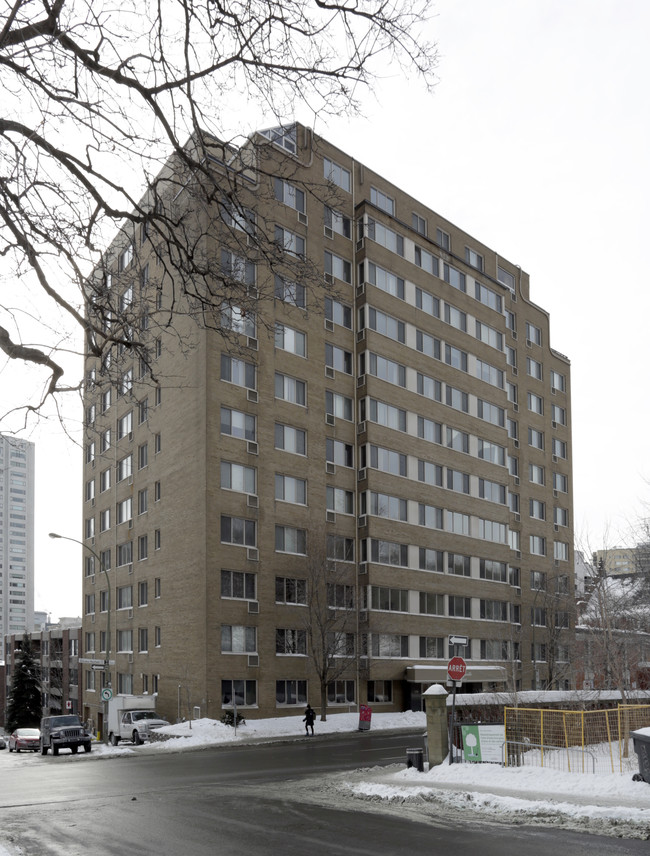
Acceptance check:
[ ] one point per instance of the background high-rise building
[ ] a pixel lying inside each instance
(16, 536)
(317, 494)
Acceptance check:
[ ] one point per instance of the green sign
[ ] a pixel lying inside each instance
(483, 743)
(107, 694)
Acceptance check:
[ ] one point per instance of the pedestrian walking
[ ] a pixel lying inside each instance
(309, 718)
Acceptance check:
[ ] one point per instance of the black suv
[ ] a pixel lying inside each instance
(63, 732)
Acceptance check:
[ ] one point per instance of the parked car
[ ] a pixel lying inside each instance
(63, 732)
(3, 744)
(25, 738)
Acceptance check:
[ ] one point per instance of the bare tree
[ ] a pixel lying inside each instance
(552, 622)
(615, 627)
(331, 624)
(97, 97)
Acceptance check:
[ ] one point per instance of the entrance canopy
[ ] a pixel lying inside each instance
(437, 674)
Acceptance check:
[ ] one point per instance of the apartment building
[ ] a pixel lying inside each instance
(309, 491)
(16, 536)
(56, 650)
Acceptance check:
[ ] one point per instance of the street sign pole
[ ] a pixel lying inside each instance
(455, 670)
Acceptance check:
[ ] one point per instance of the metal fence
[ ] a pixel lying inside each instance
(577, 741)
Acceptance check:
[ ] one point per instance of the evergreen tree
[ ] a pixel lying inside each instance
(24, 703)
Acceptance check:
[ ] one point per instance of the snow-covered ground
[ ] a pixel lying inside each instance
(604, 803)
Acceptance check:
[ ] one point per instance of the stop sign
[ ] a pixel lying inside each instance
(456, 668)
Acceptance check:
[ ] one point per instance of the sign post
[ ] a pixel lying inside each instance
(456, 669)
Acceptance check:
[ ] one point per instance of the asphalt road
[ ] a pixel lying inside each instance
(252, 800)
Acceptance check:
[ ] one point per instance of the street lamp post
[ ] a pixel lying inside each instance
(107, 663)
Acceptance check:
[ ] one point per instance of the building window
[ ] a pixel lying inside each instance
(143, 456)
(143, 593)
(143, 410)
(143, 501)
(494, 610)
(290, 439)
(558, 382)
(380, 691)
(290, 590)
(459, 607)
(388, 645)
(240, 692)
(338, 359)
(105, 440)
(491, 413)
(384, 324)
(289, 195)
(289, 539)
(339, 548)
(291, 642)
(124, 554)
(337, 405)
(143, 640)
(104, 480)
(291, 693)
(492, 570)
(238, 477)
(473, 258)
(533, 334)
(125, 510)
(389, 599)
(383, 368)
(237, 268)
(489, 335)
(238, 531)
(290, 489)
(454, 277)
(338, 175)
(456, 358)
(338, 313)
(238, 585)
(382, 200)
(234, 423)
(337, 267)
(125, 425)
(124, 468)
(125, 641)
(238, 320)
(492, 491)
(237, 372)
(157, 636)
(536, 474)
(156, 587)
(290, 389)
(419, 224)
(427, 303)
(558, 415)
(537, 545)
(339, 500)
(560, 516)
(535, 403)
(537, 509)
(381, 278)
(561, 551)
(156, 539)
(238, 639)
(290, 242)
(339, 453)
(337, 222)
(143, 551)
(560, 483)
(431, 560)
(290, 292)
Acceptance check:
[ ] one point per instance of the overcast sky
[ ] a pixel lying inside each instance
(536, 142)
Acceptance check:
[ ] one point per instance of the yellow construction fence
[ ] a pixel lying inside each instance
(577, 741)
